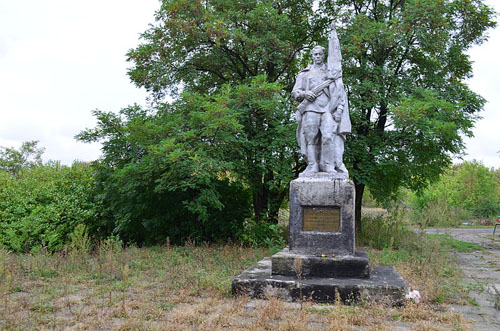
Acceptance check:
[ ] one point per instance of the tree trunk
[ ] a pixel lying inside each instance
(258, 205)
(359, 188)
(260, 202)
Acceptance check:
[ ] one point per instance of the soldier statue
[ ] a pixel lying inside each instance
(323, 114)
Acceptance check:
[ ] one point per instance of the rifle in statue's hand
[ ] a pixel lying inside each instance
(317, 91)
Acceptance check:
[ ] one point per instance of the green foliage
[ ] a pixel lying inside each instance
(405, 64)
(163, 173)
(13, 161)
(466, 190)
(44, 204)
(206, 44)
(262, 234)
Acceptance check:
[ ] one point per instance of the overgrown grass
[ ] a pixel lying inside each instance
(189, 287)
(43, 290)
(424, 261)
(451, 244)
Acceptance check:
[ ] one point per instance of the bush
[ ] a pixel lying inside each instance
(463, 191)
(385, 232)
(44, 204)
(147, 217)
(262, 234)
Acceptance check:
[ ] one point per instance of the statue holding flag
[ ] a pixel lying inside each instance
(323, 113)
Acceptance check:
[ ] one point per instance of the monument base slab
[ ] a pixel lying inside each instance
(385, 285)
(286, 263)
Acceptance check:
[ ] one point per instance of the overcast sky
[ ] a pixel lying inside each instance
(60, 59)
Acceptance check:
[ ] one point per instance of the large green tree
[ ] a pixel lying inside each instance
(201, 46)
(405, 64)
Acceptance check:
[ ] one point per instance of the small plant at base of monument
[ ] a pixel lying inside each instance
(262, 234)
(384, 232)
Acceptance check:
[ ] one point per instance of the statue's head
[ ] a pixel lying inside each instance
(318, 54)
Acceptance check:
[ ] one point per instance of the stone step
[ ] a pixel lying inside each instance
(288, 263)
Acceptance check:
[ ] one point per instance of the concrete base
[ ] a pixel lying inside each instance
(285, 263)
(385, 285)
(325, 192)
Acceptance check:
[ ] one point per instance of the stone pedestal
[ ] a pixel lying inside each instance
(385, 285)
(321, 260)
(322, 215)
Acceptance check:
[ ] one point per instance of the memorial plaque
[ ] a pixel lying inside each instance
(323, 219)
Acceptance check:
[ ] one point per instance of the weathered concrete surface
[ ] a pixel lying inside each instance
(286, 263)
(385, 285)
(482, 268)
(322, 192)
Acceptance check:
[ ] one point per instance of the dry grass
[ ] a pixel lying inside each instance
(176, 288)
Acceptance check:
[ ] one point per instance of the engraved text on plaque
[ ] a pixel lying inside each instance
(325, 219)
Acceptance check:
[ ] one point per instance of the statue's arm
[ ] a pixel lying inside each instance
(298, 92)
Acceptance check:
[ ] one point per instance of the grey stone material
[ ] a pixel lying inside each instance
(323, 113)
(385, 285)
(357, 266)
(322, 191)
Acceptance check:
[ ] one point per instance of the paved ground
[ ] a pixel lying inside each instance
(483, 269)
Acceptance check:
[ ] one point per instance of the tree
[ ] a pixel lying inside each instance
(404, 68)
(405, 63)
(463, 191)
(205, 45)
(162, 174)
(13, 161)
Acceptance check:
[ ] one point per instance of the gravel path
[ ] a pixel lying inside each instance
(483, 269)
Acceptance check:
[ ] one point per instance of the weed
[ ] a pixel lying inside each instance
(43, 308)
(166, 306)
(79, 240)
(447, 242)
(472, 302)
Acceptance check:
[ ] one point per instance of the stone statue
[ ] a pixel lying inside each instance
(323, 113)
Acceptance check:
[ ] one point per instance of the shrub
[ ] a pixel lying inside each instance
(463, 191)
(147, 217)
(385, 232)
(44, 204)
(262, 234)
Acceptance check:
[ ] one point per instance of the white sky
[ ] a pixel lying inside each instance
(485, 145)
(60, 59)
